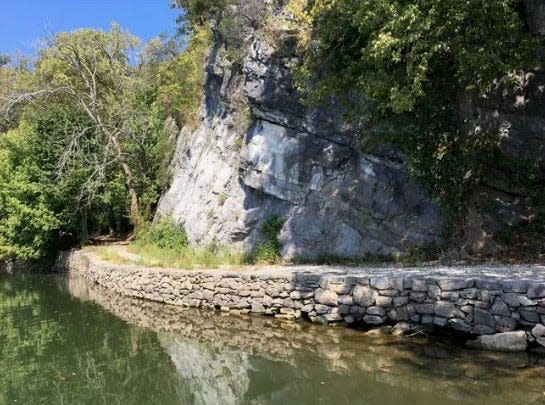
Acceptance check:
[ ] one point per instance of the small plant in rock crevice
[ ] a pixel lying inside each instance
(268, 252)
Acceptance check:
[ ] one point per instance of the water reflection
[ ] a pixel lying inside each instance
(58, 350)
(232, 360)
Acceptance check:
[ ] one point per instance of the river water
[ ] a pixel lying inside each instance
(70, 342)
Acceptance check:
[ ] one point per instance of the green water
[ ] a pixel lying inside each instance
(69, 342)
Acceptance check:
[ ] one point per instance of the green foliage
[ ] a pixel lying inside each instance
(231, 29)
(165, 234)
(412, 61)
(396, 51)
(27, 219)
(268, 252)
(165, 244)
(197, 13)
(181, 79)
(449, 162)
(88, 129)
(222, 198)
(210, 257)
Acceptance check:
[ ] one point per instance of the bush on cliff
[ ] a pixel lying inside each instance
(413, 60)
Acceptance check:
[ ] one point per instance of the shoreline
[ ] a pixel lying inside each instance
(503, 307)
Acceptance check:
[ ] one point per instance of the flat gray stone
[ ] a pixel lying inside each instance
(376, 311)
(511, 299)
(515, 286)
(459, 325)
(322, 309)
(380, 283)
(452, 284)
(500, 308)
(536, 291)
(427, 319)
(397, 284)
(372, 320)
(529, 316)
(447, 310)
(419, 285)
(481, 317)
(503, 342)
(488, 284)
(364, 296)
(385, 302)
(525, 301)
(400, 301)
(505, 324)
(425, 308)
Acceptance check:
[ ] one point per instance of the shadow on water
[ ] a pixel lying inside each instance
(229, 360)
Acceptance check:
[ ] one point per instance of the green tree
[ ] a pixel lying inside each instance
(196, 13)
(180, 79)
(397, 52)
(26, 218)
(88, 146)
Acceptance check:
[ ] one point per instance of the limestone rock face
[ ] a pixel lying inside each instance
(258, 152)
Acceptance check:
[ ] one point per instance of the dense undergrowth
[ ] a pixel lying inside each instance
(165, 244)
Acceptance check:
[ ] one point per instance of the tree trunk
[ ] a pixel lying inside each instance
(84, 226)
(129, 182)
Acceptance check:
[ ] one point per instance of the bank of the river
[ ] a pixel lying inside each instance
(24, 266)
(503, 305)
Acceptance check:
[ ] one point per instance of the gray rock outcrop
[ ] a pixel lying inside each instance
(258, 153)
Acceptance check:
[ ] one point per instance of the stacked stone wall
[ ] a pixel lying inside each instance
(475, 301)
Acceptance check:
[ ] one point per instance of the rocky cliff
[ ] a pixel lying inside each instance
(258, 153)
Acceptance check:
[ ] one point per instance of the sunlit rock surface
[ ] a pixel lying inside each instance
(258, 152)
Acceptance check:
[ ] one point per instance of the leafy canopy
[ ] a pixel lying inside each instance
(85, 130)
(396, 51)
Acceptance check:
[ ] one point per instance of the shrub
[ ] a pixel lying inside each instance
(181, 79)
(269, 250)
(231, 29)
(412, 60)
(396, 51)
(166, 234)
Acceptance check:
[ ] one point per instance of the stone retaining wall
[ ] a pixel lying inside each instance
(476, 301)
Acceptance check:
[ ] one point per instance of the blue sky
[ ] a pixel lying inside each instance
(24, 22)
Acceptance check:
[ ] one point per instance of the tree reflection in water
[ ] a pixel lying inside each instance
(58, 350)
(231, 360)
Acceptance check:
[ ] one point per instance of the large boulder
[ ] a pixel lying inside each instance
(501, 342)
